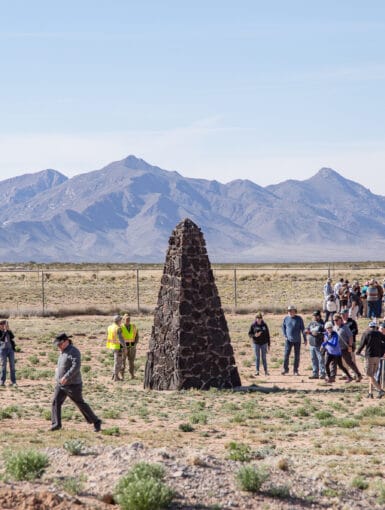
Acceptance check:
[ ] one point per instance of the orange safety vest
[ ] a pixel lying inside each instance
(112, 337)
(129, 334)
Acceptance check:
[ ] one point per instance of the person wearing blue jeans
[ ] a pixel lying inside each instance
(292, 329)
(7, 353)
(260, 336)
(315, 331)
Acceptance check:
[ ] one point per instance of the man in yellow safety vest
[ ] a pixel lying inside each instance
(131, 337)
(116, 343)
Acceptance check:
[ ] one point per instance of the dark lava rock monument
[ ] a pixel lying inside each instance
(190, 344)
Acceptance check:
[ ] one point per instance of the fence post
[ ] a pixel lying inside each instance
(42, 293)
(235, 288)
(137, 290)
(329, 270)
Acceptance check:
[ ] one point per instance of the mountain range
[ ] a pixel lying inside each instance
(125, 212)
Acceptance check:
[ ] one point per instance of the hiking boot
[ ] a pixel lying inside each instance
(313, 377)
(359, 378)
(55, 427)
(284, 372)
(348, 380)
(322, 376)
(267, 373)
(369, 395)
(98, 426)
(257, 373)
(381, 393)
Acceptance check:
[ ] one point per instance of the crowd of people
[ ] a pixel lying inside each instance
(332, 341)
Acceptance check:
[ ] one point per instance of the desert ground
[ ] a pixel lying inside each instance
(321, 445)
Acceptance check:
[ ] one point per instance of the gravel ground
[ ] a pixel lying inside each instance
(201, 481)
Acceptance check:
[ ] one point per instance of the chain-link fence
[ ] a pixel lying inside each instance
(109, 289)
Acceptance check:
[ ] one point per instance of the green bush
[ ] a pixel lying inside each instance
(25, 465)
(239, 451)
(360, 483)
(112, 431)
(143, 489)
(279, 491)
(186, 427)
(74, 446)
(250, 479)
(72, 485)
(9, 412)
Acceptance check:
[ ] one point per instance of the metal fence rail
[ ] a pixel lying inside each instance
(44, 291)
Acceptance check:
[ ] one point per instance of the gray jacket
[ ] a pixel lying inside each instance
(68, 365)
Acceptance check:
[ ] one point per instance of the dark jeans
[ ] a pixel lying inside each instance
(347, 357)
(74, 392)
(260, 352)
(374, 309)
(297, 350)
(6, 353)
(332, 362)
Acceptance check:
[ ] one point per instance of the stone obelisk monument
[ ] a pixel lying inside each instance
(190, 343)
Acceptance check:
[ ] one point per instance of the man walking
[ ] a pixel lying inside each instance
(69, 384)
(130, 335)
(292, 329)
(374, 343)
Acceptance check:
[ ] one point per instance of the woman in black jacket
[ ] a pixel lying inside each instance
(259, 333)
(7, 348)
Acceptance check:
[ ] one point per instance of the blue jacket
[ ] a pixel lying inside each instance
(292, 328)
(331, 344)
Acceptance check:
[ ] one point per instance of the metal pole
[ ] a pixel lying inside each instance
(42, 292)
(137, 290)
(329, 270)
(235, 288)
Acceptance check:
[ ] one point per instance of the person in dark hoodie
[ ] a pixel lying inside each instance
(260, 336)
(374, 342)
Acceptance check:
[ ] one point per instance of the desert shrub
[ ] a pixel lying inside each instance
(33, 359)
(186, 427)
(9, 412)
(72, 485)
(250, 478)
(25, 465)
(283, 464)
(112, 431)
(74, 446)
(239, 451)
(323, 415)
(265, 451)
(279, 491)
(111, 414)
(359, 483)
(143, 489)
(372, 411)
(199, 417)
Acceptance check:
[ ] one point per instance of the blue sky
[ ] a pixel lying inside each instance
(260, 90)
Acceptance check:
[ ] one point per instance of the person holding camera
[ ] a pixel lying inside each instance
(260, 336)
(314, 333)
(7, 352)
